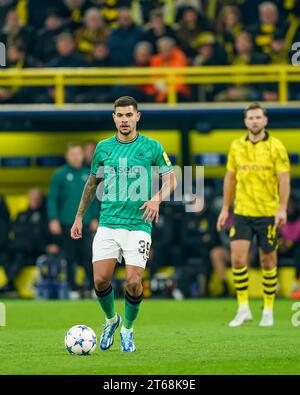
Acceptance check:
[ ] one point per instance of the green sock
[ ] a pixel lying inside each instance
(132, 305)
(106, 299)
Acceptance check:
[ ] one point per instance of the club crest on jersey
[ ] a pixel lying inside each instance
(140, 155)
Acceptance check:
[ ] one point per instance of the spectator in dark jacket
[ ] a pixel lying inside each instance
(66, 57)
(72, 11)
(279, 54)
(30, 230)
(14, 34)
(263, 31)
(110, 9)
(156, 29)
(244, 56)
(142, 93)
(93, 31)
(123, 39)
(17, 59)
(209, 53)
(66, 53)
(37, 11)
(45, 47)
(101, 57)
(5, 6)
(190, 26)
(229, 25)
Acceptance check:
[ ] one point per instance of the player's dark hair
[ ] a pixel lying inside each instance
(255, 106)
(125, 101)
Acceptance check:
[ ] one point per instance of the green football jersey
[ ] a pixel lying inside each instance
(127, 171)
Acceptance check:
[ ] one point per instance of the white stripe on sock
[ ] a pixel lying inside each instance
(125, 330)
(112, 320)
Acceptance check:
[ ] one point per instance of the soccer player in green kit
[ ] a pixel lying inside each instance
(124, 160)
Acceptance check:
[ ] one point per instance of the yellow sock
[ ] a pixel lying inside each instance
(269, 287)
(241, 281)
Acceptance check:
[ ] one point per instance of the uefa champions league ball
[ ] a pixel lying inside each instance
(80, 340)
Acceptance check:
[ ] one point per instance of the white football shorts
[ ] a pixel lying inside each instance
(133, 245)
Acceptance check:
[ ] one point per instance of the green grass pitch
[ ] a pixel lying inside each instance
(172, 337)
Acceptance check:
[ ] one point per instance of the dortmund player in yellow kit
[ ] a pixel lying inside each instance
(125, 163)
(258, 183)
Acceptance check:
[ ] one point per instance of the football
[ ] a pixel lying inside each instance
(80, 340)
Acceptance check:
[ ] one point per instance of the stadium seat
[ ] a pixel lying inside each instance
(215, 287)
(165, 272)
(80, 275)
(25, 282)
(16, 204)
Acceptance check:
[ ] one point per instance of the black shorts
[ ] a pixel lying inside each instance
(244, 228)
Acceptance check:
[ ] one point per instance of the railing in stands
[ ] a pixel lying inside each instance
(62, 77)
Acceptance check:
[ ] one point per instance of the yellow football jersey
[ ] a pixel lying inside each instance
(256, 166)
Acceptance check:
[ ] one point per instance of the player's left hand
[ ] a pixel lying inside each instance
(280, 219)
(151, 211)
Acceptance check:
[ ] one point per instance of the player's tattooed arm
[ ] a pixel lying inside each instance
(88, 195)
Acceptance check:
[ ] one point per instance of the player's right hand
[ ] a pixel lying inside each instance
(151, 212)
(222, 219)
(76, 230)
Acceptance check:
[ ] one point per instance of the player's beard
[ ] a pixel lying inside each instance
(256, 132)
(125, 132)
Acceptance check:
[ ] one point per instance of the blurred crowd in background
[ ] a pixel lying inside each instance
(148, 33)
